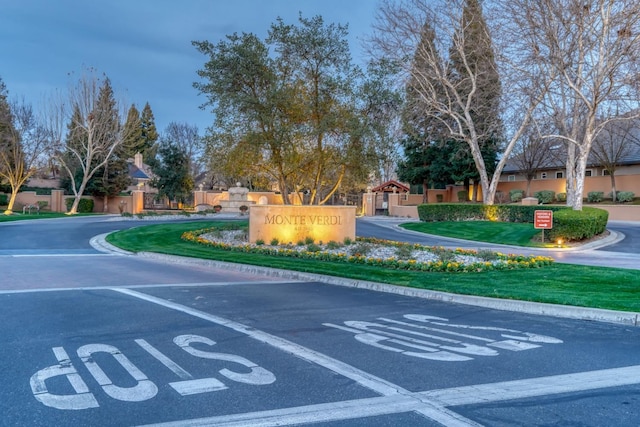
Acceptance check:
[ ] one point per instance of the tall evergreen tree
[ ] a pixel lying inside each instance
(135, 142)
(479, 84)
(149, 134)
(423, 128)
(6, 118)
(171, 168)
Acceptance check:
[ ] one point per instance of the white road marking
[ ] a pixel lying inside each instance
(372, 382)
(405, 335)
(433, 404)
(386, 405)
(143, 390)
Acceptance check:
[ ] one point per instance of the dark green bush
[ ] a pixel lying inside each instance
(84, 206)
(4, 200)
(516, 195)
(595, 196)
(578, 225)
(467, 212)
(625, 196)
(561, 197)
(545, 196)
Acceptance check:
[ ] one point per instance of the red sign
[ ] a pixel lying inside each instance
(543, 219)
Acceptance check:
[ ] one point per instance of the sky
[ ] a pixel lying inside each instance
(144, 46)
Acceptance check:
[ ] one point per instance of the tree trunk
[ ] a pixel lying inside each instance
(614, 194)
(425, 192)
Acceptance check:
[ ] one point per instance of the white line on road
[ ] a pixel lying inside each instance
(377, 406)
(379, 385)
(433, 404)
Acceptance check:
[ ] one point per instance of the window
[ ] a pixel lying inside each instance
(511, 178)
(559, 175)
(543, 175)
(605, 172)
(588, 172)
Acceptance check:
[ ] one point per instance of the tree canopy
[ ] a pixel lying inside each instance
(287, 108)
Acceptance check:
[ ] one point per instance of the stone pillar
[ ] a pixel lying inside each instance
(57, 201)
(393, 201)
(369, 202)
(137, 199)
(199, 198)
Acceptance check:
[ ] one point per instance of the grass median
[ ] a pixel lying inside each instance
(566, 284)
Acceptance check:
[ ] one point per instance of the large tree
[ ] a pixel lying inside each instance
(23, 144)
(613, 146)
(187, 137)
(94, 131)
(455, 88)
(286, 108)
(592, 48)
(171, 170)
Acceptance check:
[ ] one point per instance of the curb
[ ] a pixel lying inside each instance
(542, 309)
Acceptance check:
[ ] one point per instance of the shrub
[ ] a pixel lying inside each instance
(312, 247)
(84, 206)
(259, 242)
(275, 242)
(4, 200)
(347, 241)
(561, 197)
(308, 240)
(127, 214)
(404, 252)
(360, 249)
(578, 225)
(595, 196)
(501, 197)
(470, 212)
(516, 195)
(487, 255)
(333, 245)
(545, 196)
(42, 204)
(443, 254)
(625, 196)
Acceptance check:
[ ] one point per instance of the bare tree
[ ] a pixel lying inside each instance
(450, 93)
(592, 47)
(533, 153)
(93, 131)
(187, 138)
(22, 152)
(613, 145)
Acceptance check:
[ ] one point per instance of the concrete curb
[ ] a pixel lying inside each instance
(542, 309)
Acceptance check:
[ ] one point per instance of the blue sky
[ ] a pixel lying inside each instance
(144, 46)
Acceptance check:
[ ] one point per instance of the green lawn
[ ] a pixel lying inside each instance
(507, 233)
(597, 287)
(19, 216)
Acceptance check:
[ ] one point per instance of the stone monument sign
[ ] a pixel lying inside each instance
(295, 223)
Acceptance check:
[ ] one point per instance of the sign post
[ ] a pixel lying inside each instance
(543, 219)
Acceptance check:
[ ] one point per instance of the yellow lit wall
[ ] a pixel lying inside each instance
(291, 224)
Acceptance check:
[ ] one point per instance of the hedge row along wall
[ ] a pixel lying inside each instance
(567, 223)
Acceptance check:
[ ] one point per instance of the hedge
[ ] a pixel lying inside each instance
(567, 224)
(467, 212)
(578, 225)
(84, 206)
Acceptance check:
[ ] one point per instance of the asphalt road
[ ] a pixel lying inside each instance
(98, 339)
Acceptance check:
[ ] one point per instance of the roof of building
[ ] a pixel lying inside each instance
(391, 186)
